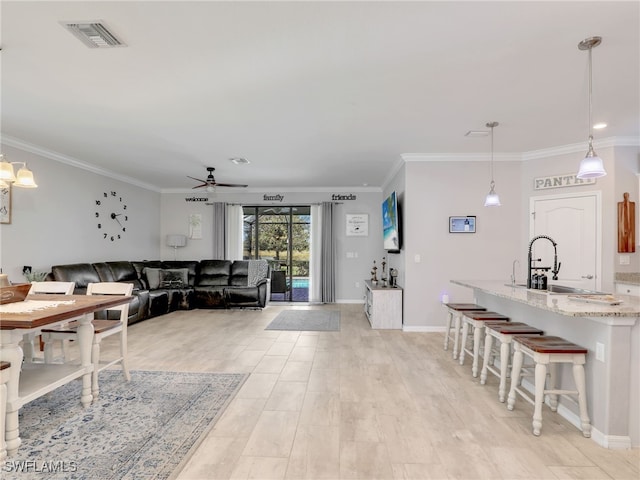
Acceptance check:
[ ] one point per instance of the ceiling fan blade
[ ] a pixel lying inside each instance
(230, 185)
(198, 179)
(200, 186)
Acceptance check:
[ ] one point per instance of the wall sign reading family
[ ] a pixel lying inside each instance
(357, 224)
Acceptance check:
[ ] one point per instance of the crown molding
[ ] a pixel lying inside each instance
(581, 147)
(58, 157)
(524, 156)
(460, 157)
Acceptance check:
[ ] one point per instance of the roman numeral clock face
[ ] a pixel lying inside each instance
(111, 216)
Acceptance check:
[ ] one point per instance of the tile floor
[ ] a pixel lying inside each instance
(358, 404)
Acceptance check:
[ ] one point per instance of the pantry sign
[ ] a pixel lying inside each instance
(560, 181)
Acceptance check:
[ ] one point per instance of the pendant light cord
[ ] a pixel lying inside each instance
(590, 97)
(493, 183)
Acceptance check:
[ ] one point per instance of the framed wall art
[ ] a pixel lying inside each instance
(5, 204)
(462, 224)
(357, 224)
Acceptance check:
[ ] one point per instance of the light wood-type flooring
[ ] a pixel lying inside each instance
(358, 404)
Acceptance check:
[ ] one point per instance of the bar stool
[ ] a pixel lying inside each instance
(476, 320)
(454, 314)
(549, 351)
(504, 333)
(5, 372)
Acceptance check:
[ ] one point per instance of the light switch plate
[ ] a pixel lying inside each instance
(600, 351)
(625, 260)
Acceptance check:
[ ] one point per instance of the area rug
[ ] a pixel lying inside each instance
(306, 320)
(142, 429)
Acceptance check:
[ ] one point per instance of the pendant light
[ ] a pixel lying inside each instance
(23, 179)
(492, 200)
(591, 166)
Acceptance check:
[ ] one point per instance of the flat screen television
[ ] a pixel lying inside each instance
(391, 224)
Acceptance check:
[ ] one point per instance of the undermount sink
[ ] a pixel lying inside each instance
(558, 289)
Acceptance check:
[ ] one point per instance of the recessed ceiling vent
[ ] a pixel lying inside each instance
(93, 34)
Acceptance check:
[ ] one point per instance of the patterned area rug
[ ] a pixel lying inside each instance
(143, 429)
(306, 320)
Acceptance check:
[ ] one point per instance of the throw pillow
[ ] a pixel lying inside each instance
(153, 277)
(174, 278)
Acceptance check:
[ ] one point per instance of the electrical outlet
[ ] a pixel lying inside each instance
(357, 284)
(600, 351)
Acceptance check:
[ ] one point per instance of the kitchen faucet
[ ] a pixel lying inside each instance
(513, 271)
(556, 265)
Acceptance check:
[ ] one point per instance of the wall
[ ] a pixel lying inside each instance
(56, 224)
(350, 270)
(434, 191)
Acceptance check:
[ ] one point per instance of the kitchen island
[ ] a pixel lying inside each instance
(611, 333)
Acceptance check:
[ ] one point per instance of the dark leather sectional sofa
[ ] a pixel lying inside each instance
(161, 287)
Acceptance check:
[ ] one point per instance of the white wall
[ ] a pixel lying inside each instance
(175, 219)
(56, 224)
(435, 191)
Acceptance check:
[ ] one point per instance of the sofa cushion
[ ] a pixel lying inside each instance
(152, 277)
(166, 277)
(190, 265)
(81, 273)
(214, 273)
(140, 266)
(174, 277)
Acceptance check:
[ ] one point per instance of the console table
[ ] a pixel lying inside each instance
(383, 306)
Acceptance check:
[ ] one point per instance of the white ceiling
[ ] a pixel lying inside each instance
(314, 94)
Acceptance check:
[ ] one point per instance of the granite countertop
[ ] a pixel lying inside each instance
(632, 278)
(561, 304)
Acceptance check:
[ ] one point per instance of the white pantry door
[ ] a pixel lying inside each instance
(574, 222)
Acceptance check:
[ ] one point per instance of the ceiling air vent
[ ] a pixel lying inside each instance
(93, 34)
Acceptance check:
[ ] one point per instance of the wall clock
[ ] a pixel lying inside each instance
(111, 215)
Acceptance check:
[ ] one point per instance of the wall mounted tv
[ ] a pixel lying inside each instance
(391, 224)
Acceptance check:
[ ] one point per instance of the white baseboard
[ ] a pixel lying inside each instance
(614, 442)
(348, 300)
(422, 329)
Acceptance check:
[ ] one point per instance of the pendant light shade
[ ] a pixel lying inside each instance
(23, 179)
(592, 165)
(492, 199)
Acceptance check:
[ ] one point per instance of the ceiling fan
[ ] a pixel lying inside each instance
(211, 183)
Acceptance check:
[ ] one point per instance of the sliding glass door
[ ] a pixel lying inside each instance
(281, 235)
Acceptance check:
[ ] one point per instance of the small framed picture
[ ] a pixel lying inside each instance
(357, 225)
(5, 204)
(462, 224)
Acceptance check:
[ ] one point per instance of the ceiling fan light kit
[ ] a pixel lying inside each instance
(592, 165)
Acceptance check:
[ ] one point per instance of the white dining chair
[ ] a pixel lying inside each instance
(102, 329)
(28, 342)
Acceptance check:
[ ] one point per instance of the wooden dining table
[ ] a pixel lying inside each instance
(28, 381)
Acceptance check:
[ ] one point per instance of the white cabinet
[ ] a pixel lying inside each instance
(383, 306)
(628, 289)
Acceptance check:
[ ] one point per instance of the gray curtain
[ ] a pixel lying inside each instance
(328, 283)
(219, 230)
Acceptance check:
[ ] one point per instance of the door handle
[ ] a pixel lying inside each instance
(588, 277)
